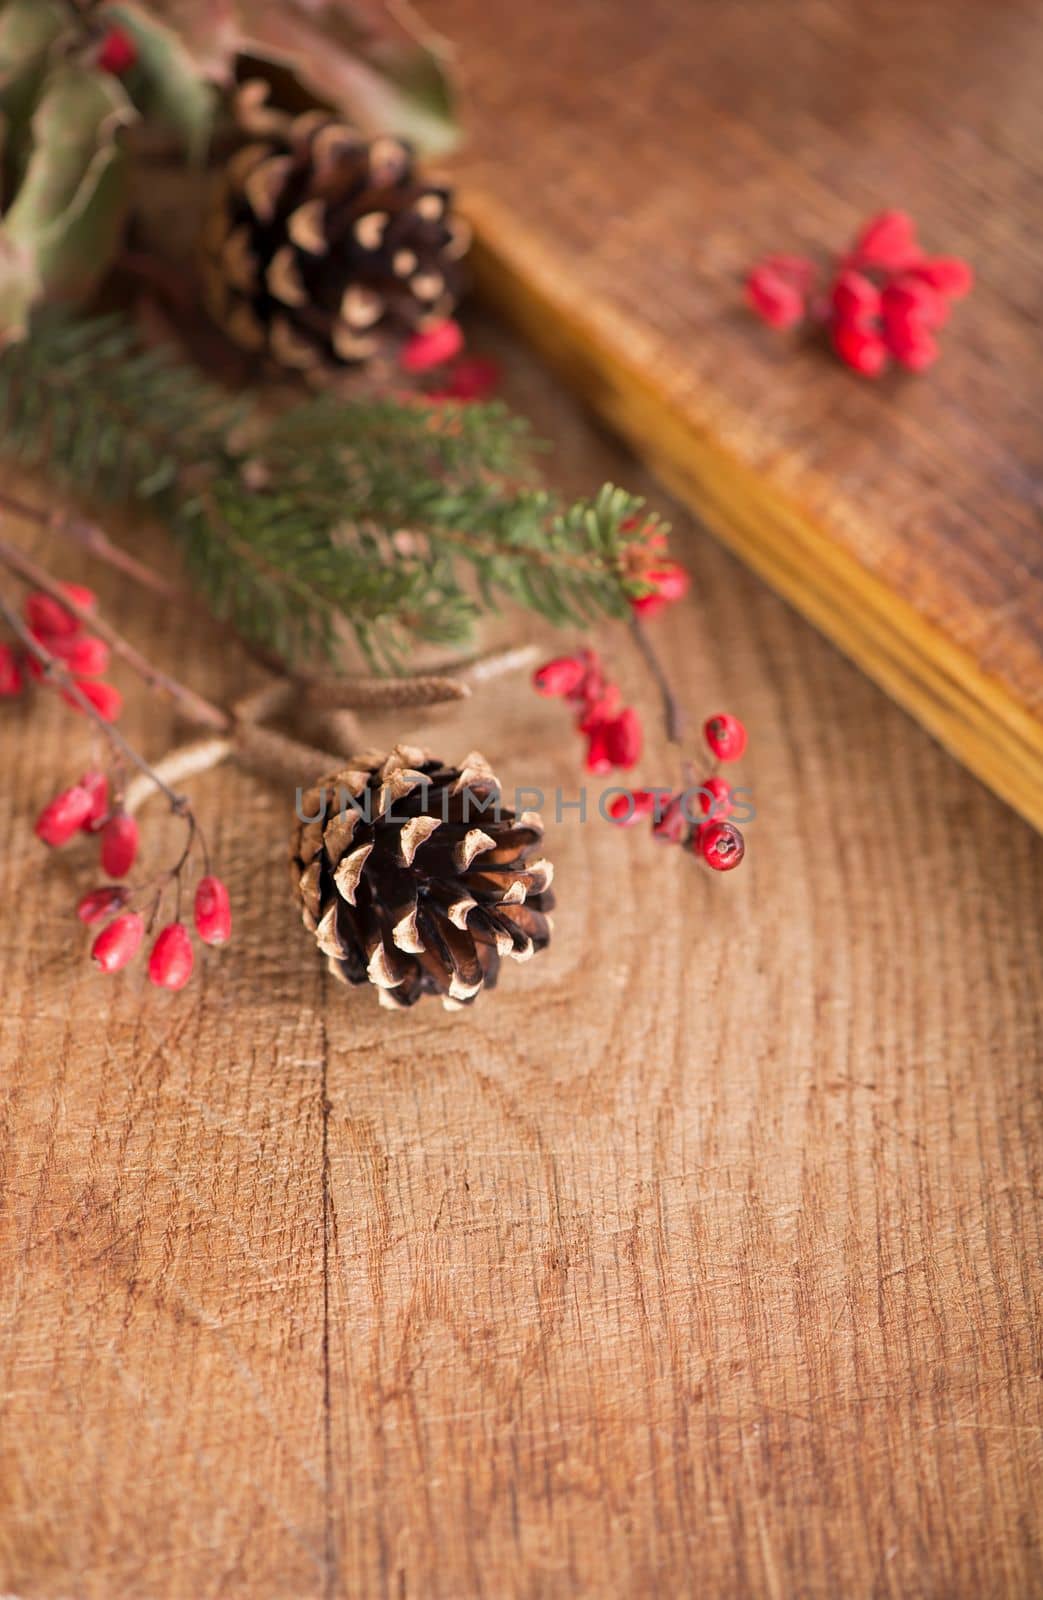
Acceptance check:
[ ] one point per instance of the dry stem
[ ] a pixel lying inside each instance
(96, 543)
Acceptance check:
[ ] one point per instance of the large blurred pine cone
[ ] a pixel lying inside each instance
(429, 895)
(322, 248)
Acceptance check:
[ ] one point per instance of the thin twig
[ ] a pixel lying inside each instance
(673, 716)
(187, 761)
(192, 705)
(96, 543)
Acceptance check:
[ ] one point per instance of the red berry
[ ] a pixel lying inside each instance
(598, 757)
(720, 844)
(624, 738)
(888, 241)
(947, 274)
(913, 346)
(774, 297)
(100, 902)
(118, 52)
(118, 943)
(119, 844)
(863, 351)
(65, 816)
(599, 709)
(213, 911)
(855, 299)
(473, 378)
(798, 270)
(726, 736)
(11, 679)
(670, 582)
(104, 697)
(715, 798)
(626, 809)
(83, 653)
(97, 786)
(673, 824)
(906, 299)
(45, 616)
(562, 676)
(432, 348)
(172, 959)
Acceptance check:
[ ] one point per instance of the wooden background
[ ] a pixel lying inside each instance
(702, 1258)
(627, 163)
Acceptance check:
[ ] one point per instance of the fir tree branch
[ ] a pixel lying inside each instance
(393, 519)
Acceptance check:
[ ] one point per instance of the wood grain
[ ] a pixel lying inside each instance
(625, 166)
(702, 1259)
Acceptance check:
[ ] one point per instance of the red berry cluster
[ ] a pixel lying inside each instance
(438, 353)
(612, 730)
(710, 835)
(86, 808)
(83, 654)
(885, 301)
(647, 562)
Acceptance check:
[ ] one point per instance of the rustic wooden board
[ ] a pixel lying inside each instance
(626, 164)
(704, 1258)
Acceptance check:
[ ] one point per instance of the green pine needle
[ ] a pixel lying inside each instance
(393, 520)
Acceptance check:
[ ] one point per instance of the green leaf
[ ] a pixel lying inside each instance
(167, 84)
(28, 28)
(63, 227)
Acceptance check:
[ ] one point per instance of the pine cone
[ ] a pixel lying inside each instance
(428, 895)
(324, 249)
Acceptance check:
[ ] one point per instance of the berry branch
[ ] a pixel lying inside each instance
(99, 805)
(396, 519)
(56, 673)
(192, 705)
(673, 716)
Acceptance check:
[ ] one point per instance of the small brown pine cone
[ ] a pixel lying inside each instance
(414, 877)
(323, 249)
